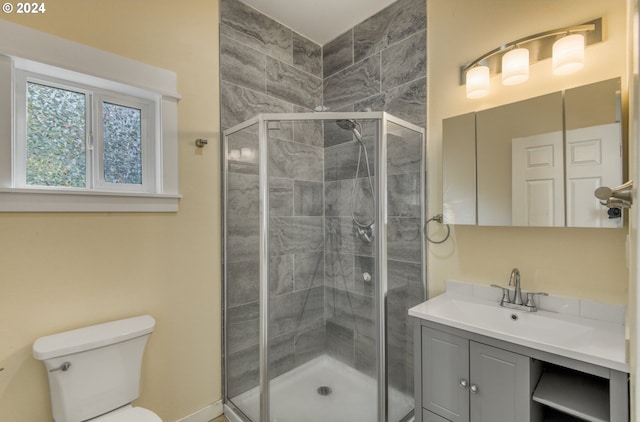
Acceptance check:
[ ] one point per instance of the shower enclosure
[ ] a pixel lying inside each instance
(323, 256)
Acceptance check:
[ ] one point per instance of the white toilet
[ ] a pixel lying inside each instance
(94, 372)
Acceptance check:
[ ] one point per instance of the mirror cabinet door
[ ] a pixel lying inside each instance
(521, 140)
(459, 169)
(593, 151)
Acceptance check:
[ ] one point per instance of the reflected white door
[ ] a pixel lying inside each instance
(537, 180)
(594, 159)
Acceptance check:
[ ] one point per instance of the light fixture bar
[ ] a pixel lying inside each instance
(539, 46)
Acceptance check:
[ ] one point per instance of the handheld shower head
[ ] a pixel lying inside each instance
(346, 124)
(352, 125)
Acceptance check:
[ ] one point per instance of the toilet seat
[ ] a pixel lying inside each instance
(128, 414)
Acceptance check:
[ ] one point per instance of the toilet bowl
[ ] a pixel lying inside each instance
(94, 372)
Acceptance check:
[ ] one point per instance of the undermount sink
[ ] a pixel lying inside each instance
(594, 341)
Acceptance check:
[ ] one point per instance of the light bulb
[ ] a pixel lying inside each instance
(477, 82)
(568, 54)
(515, 66)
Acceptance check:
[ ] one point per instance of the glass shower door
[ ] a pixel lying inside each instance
(296, 265)
(242, 270)
(404, 249)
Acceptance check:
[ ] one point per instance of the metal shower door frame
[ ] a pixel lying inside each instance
(262, 121)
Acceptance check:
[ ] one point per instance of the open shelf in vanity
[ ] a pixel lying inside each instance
(572, 393)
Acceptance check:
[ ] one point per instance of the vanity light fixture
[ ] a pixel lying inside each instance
(512, 60)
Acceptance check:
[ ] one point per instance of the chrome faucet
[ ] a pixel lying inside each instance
(517, 303)
(515, 278)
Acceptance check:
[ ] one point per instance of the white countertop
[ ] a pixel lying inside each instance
(594, 341)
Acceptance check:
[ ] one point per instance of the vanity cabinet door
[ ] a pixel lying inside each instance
(499, 385)
(445, 375)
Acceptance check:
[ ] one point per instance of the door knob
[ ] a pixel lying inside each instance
(473, 388)
(464, 383)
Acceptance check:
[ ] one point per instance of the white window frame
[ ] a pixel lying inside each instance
(19, 145)
(28, 55)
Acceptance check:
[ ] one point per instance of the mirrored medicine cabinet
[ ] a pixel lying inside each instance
(535, 162)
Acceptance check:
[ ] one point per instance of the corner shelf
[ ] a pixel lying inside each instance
(574, 393)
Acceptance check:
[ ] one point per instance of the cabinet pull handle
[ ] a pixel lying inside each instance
(473, 388)
(464, 383)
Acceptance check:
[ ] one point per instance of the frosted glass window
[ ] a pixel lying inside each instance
(56, 137)
(122, 143)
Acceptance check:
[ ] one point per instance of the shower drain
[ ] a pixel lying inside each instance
(324, 390)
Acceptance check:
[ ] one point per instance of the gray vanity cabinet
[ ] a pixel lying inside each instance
(467, 381)
(463, 376)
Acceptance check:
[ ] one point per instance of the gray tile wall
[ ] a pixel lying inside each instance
(380, 64)
(264, 66)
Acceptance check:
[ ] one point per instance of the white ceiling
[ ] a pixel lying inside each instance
(319, 20)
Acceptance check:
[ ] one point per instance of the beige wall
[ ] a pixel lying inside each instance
(60, 271)
(585, 263)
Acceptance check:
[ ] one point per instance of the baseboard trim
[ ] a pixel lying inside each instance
(205, 414)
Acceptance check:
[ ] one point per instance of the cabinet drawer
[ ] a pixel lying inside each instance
(431, 417)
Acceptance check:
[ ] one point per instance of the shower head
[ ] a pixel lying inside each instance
(346, 124)
(353, 126)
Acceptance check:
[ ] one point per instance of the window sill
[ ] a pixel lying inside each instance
(52, 200)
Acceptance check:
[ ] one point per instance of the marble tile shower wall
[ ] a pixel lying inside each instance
(267, 68)
(380, 64)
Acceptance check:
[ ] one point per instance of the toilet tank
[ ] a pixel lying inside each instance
(104, 363)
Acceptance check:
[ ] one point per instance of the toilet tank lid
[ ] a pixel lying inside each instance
(92, 337)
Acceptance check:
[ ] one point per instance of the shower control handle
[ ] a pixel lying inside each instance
(64, 367)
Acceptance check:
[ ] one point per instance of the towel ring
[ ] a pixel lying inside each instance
(439, 219)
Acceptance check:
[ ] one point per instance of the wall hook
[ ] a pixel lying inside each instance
(200, 143)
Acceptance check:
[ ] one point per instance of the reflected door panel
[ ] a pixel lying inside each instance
(594, 159)
(537, 180)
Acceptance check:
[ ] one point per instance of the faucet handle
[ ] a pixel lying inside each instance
(530, 295)
(505, 294)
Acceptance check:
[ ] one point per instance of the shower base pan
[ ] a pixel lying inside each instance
(323, 389)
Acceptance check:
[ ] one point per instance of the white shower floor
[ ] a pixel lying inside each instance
(294, 396)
